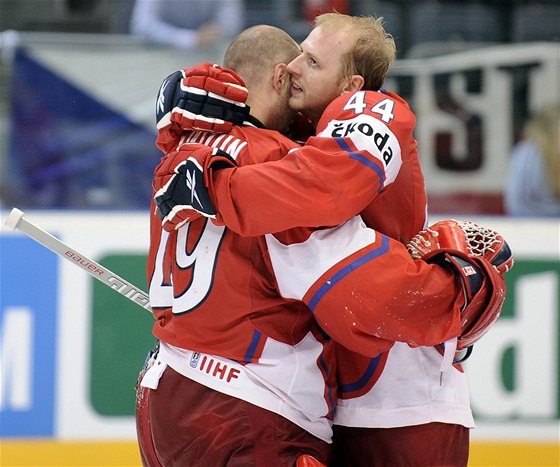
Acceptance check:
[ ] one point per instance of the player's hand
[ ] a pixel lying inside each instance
(205, 97)
(465, 236)
(184, 198)
(180, 183)
(479, 256)
(215, 99)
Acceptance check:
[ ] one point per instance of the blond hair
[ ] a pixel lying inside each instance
(374, 49)
(257, 49)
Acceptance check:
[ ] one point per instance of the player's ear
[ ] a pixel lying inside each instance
(280, 78)
(353, 84)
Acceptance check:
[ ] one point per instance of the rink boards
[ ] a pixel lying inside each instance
(71, 347)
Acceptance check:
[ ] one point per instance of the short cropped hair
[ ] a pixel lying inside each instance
(374, 49)
(259, 48)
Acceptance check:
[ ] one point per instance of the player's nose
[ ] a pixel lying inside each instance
(294, 66)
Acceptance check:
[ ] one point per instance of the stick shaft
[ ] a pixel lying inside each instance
(98, 271)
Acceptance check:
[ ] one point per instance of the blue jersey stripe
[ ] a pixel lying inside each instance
(331, 403)
(364, 160)
(332, 281)
(351, 387)
(253, 346)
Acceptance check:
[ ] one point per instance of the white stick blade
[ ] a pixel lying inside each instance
(13, 219)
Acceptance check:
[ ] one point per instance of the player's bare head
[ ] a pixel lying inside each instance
(373, 50)
(260, 55)
(257, 49)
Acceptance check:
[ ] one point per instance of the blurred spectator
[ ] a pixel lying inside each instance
(533, 186)
(187, 24)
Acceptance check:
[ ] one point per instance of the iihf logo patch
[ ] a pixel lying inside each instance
(469, 270)
(194, 359)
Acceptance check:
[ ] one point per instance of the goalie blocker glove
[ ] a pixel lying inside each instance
(180, 184)
(206, 97)
(480, 256)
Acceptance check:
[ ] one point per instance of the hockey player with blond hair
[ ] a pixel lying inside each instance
(351, 277)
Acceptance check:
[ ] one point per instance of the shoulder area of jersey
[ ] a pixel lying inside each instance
(259, 134)
(383, 105)
(254, 145)
(354, 101)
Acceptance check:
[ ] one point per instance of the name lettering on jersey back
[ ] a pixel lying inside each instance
(214, 368)
(227, 143)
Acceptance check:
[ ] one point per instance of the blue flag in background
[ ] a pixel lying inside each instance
(68, 150)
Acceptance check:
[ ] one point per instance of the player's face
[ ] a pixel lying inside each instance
(316, 72)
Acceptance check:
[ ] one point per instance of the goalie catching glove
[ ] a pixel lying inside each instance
(480, 256)
(206, 97)
(180, 184)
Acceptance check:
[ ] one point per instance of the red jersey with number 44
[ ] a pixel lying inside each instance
(364, 160)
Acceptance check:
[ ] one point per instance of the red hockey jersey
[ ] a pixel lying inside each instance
(243, 298)
(269, 198)
(220, 317)
(364, 146)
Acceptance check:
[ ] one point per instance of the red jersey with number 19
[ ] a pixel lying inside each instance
(220, 318)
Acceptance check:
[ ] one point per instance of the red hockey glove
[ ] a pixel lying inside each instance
(223, 83)
(467, 237)
(479, 256)
(206, 97)
(180, 184)
(168, 98)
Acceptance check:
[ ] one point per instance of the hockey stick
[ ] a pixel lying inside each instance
(17, 221)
